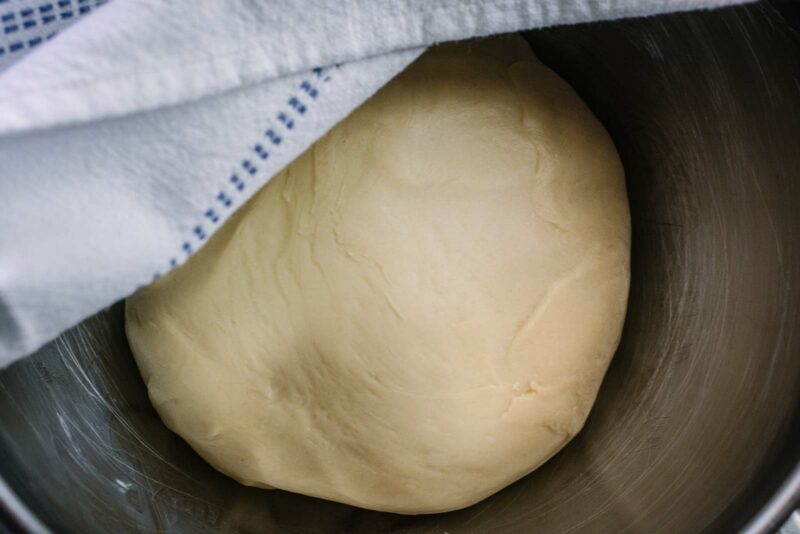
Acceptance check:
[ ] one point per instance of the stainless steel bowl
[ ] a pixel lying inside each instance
(697, 427)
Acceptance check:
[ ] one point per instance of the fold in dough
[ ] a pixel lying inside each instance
(420, 309)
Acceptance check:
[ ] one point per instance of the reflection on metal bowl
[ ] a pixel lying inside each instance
(697, 424)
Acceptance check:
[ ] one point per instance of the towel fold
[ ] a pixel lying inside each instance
(130, 131)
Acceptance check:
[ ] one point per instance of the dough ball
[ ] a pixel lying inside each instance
(420, 309)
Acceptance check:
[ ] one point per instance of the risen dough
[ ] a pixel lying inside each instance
(416, 312)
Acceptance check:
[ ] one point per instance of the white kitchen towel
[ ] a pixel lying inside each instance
(25, 24)
(130, 136)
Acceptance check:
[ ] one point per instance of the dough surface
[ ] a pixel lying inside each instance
(420, 309)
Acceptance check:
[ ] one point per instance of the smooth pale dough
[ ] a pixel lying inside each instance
(416, 312)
